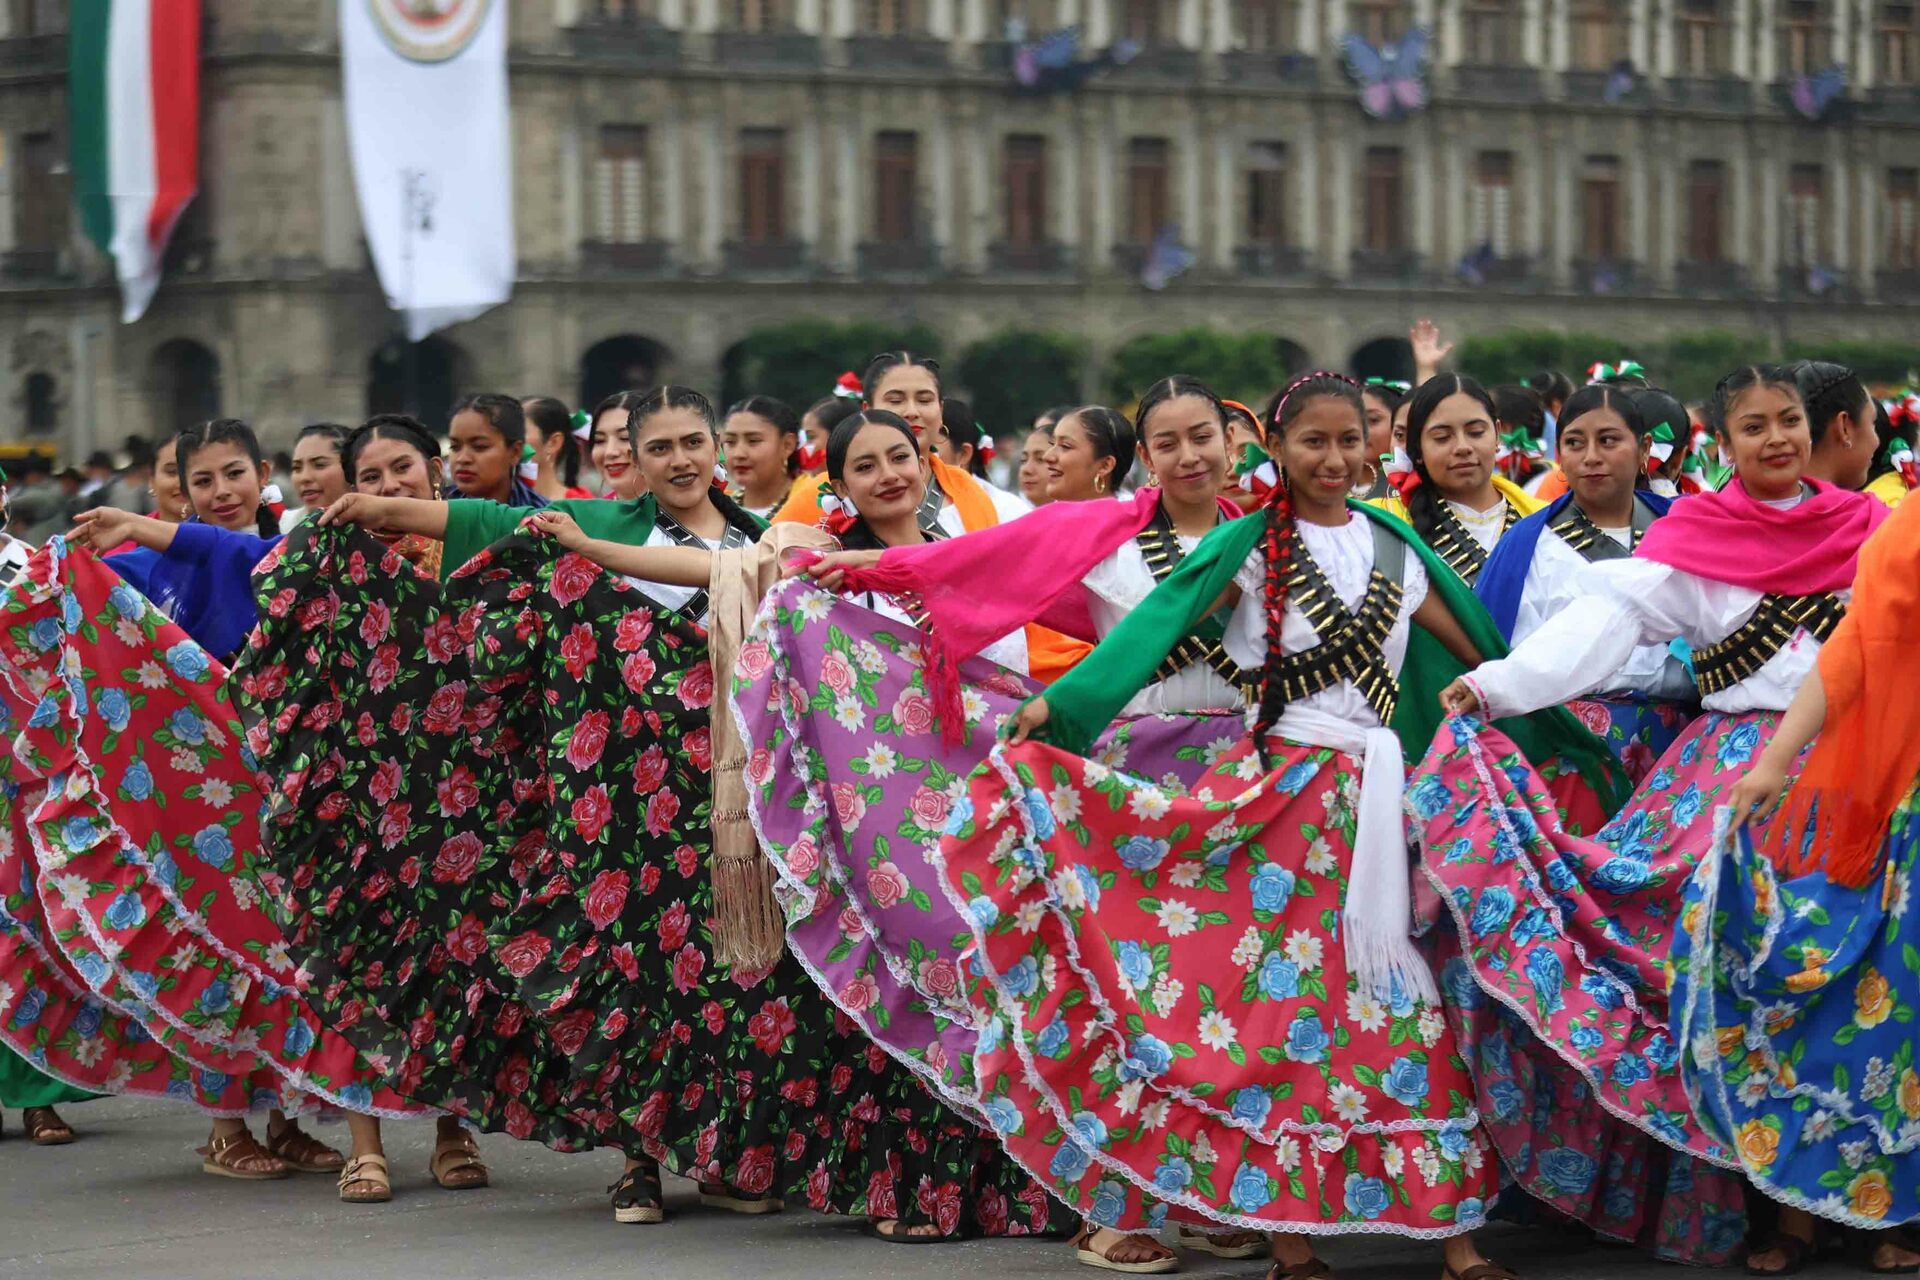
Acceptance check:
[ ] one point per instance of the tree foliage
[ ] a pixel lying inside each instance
(1240, 366)
(798, 361)
(1010, 376)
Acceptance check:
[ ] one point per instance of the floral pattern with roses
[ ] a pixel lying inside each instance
(498, 874)
(149, 817)
(1571, 933)
(1168, 1025)
(1797, 999)
(1637, 730)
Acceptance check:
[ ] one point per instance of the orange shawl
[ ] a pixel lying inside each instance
(1050, 655)
(1868, 752)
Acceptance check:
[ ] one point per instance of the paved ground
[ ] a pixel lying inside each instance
(129, 1201)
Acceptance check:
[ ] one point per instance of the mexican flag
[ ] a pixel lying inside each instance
(134, 77)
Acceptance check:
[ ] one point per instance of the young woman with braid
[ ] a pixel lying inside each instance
(1456, 501)
(1840, 422)
(1223, 982)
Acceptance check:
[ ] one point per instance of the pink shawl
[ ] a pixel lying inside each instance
(989, 582)
(1730, 537)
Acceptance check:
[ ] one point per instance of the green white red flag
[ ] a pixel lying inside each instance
(134, 81)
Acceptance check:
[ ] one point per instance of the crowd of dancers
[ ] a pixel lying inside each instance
(1356, 815)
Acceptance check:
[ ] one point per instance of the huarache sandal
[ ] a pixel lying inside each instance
(302, 1152)
(719, 1197)
(893, 1231)
(1228, 1244)
(1864, 1251)
(364, 1180)
(1482, 1271)
(637, 1196)
(456, 1164)
(238, 1156)
(1158, 1261)
(45, 1128)
(1794, 1253)
(1314, 1268)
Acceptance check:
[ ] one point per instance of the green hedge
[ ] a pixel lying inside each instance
(1240, 366)
(1010, 376)
(798, 361)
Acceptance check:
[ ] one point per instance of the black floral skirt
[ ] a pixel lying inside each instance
(490, 843)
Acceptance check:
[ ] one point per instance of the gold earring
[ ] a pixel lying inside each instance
(1099, 484)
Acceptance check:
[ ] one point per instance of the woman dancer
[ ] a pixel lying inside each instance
(760, 440)
(1536, 569)
(1841, 422)
(317, 477)
(1796, 960)
(1456, 503)
(1186, 946)
(1089, 456)
(488, 434)
(1032, 473)
(556, 454)
(610, 449)
(1383, 398)
(1572, 934)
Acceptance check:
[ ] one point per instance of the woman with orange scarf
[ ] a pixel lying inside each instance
(957, 502)
(1802, 1024)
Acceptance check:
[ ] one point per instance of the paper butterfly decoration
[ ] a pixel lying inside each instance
(1053, 62)
(1166, 258)
(1815, 95)
(1392, 79)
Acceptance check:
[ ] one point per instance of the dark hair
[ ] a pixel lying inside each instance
(832, 411)
(1518, 406)
(1745, 379)
(503, 414)
(671, 396)
(331, 431)
(1423, 504)
(1314, 386)
(1110, 434)
(1390, 394)
(551, 415)
(1053, 415)
(1891, 437)
(1551, 386)
(100, 458)
(203, 435)
(387, 426)
(887, 361)
(1828, 390)
(859, 536)
(957, 417)
(783, 418)
(1625, 401)
(1657, 407)
(1180, 384)
(625, 401)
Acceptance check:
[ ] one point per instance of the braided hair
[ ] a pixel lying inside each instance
(204, 435)
(1277, 539)
(1829, 390)
(1742, 379)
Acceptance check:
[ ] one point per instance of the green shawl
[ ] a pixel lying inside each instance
(1084, 702)
(474, 524)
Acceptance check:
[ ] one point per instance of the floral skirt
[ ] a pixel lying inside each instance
(1637, 730)
(493, 829)
(1798, 997)
(851, 784)
(1167, 1022)
(1556, 976)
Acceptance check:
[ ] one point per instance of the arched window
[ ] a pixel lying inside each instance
(184, 384)
(628, 362)
(41, 404)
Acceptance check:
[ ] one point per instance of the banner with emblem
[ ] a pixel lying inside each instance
(426, 104)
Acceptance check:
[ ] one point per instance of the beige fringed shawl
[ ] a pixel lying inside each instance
(749, 930)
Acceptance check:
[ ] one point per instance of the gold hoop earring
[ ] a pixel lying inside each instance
(1099, 484)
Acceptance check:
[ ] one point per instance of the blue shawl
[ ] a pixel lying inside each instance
(204, 582)
(1503, 579)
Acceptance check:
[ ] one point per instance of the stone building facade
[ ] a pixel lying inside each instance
(690, 170)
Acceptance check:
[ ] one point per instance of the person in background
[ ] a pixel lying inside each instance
(1895, 473)
(1032, 475)
(487, 432)
(39, 508)
(1841, 417)
(1091, 453)
(611, 450)
(317, 475)
(556, 454)
(961, 442)
(760, 440)
(816, 428)
(98, 474)
(1430, 351)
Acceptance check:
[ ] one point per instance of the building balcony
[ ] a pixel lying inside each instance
(1722, 93)
(1603, 277)
(765, 257)
(189, 256)
(1286, 70)
(1809, 281)
(1898, 284)
(34, 53)
(1895, 103)
(898, 258)
(786, 50)
(1281, 264)
(1163, 62)
(33, 266)
(1589, 88)
(1044, 258)
(625, 40)
(906, 53)
(1131, 259)
(1710, 279)
(1497, 83)
(1517, 272)
(626, 258)
(1388, 266)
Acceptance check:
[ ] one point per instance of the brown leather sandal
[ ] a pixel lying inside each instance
(304, 1153)
(1482, 1271)
(1164, 1260)
(1229, 1244)
(239, 1156)
(456, 1164)
(717, 1196)
(1314, 1268)
(45, 1128)
(364, 1180)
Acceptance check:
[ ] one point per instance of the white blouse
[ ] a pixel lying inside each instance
(1485, 526)
(1553, 583)
(1345, 556)
(1006, 506)
(1115, 587)
(664, 594)
(1009, 651)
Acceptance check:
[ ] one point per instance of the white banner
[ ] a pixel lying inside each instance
(426, 103)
